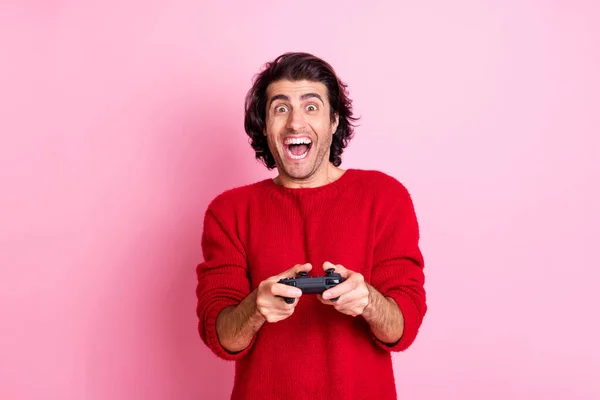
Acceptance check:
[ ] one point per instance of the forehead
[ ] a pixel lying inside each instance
(295, 89)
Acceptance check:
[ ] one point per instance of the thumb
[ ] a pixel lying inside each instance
(292, 272)
(302, 268)
(327, 265)
(340, 269)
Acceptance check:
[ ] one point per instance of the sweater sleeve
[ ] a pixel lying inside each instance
(398, 268)
(222, 281)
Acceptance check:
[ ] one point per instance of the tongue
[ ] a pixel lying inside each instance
(298, 149)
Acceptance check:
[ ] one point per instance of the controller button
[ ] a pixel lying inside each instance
(303, 273)
(330, 271)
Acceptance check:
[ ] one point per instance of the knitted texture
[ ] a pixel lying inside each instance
(365, 221)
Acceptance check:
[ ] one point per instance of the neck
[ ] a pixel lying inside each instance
(330, 174)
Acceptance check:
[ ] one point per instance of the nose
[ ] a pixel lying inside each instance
(296, 121)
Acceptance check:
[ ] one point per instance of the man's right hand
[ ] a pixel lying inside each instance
(274, 308)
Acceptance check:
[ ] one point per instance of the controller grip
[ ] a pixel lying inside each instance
(288, 300)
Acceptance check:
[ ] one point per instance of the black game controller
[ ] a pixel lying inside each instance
(313, 284)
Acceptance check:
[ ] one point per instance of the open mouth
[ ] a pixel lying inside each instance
(297, 148)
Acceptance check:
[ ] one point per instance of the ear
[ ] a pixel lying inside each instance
(335, 123)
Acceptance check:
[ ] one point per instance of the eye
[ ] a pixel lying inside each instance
(311, 107)
(280, 109)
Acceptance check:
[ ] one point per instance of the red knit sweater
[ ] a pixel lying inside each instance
(365, 221)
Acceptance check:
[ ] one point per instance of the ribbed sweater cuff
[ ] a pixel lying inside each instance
(412, 322)
(212, 339)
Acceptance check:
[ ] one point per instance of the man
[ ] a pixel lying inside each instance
(313, 216)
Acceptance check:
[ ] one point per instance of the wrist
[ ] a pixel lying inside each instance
(256, 316)
(370, 309)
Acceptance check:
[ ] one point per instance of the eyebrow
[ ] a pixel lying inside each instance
(303, 97)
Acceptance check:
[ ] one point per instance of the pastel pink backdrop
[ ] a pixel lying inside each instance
(121, 120)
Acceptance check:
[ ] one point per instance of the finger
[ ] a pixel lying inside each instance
(292, 272)
(288, 273)
(271, 301)
(301, 268)
(353, 308)
(281, 303)
(339, 290)
(338, 268)
(357, 303)
(353, 281)
(275, 316)
(327, 265)
(347, 298)
(322, 300)
(280, 289)
(278, 306)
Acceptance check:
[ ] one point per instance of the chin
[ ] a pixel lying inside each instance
(298, 172)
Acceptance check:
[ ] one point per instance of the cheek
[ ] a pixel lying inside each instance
(272, 140)
(323, 129)
(323, 125)
(269, 131)
(273, 127)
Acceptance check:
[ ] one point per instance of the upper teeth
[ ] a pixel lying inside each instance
(302, 140)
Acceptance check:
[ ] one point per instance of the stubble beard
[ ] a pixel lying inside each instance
(320, 161)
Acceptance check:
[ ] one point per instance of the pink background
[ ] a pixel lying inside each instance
(121, 120)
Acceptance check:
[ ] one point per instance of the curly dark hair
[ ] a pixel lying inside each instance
(296, 67)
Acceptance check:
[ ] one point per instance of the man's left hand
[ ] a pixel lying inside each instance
(353, 293)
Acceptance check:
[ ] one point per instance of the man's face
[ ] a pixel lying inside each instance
(298, 127)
